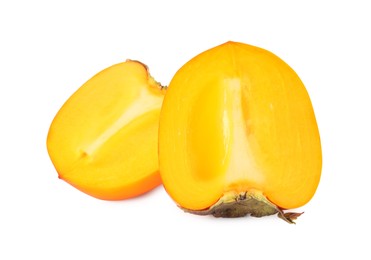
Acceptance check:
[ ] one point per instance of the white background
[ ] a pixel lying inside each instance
(49, 49)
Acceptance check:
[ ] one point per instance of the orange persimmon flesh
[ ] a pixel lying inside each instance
(103, 140)
(235, 119)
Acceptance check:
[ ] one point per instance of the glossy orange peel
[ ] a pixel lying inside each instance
(237, 126)
(104, 139)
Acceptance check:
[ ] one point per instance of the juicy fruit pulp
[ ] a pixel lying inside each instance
(236, 119)
(104, 139)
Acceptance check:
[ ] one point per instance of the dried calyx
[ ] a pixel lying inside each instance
(253, 203)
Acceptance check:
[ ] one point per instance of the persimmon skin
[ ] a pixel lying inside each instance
(237, 118)
(103, 140)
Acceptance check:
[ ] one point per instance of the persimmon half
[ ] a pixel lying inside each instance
(238, 135)
(103, 140)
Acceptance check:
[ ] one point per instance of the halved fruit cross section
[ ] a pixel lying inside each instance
(103, 141)
(238, 134)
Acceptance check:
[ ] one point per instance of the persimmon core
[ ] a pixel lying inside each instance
(144, 103)
(219, 122)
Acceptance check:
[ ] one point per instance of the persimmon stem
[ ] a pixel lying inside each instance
(253, 203)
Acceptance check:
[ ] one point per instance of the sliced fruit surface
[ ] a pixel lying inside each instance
(104, 139)
(236, 118)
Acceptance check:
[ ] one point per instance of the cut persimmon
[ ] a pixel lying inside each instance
(238, 135)
(103, 140)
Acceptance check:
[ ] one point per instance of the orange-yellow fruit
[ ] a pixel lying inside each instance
(237, 127)
(104, 139)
